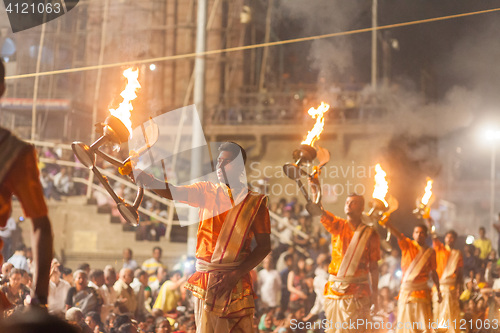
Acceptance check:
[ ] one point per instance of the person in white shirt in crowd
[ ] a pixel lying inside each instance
(19, 258)
(62, 181)
(96, 281)
(285, 229)
(388, 278)
(139, 286)
(320, 280)
(128, 262)
(393, 260)
(109, 296)
(281, 264)
(6, 236)
(58, 290)
(269, 284)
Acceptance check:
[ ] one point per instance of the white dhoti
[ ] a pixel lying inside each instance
(347, 315)
(208, 322)
(448, 310)
(414, 314)
(210, 317)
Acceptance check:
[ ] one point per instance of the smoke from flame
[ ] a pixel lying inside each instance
(381, 185)
(428, 192)
(123, 112)
(318, 114)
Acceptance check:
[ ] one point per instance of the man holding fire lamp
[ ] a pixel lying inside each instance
(353, 269)
(230, 216)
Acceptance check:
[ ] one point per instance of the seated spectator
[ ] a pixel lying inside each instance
(75, 317)
(170, 294)
(128, 262)
(109, 295)
(93, 320)
(158, 279)
(18, 259)
(163, 326)
(14, 290)
(125, 293)
(84, 267)
(67, 275)
(82, 296)
(269, 284)
(152, 264)
(296, 283)
(58, 290)
(48, 185)
(62, 182)
(266, 321)
(142, 292)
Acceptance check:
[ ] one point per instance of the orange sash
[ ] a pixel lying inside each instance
(227, 251)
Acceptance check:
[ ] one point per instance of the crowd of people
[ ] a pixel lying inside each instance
(289, 283)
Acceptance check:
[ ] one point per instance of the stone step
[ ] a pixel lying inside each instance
(80, 233)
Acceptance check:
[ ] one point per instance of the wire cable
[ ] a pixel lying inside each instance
(250, 47)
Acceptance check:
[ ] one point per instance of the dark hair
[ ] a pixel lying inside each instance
(125, 328)
(21, 247)
(355, 195)
(172, 273)
(453, 233)
(17, 271)
(95, 273)
(96, 317)
(234, 149)
(139, 272)
(288, 257)
(84, 266)
(482, 228)
(122, 320)
(424, 228)
(65, 270)
(157, 248)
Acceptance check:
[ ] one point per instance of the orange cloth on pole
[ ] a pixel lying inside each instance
(341, 237)
(442, 255)
(209, 197)
(23, 181)
(409, 250)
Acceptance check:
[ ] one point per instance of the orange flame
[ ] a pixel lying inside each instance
(381, 185)
(125, 107)
(318, 114)
(428, 192)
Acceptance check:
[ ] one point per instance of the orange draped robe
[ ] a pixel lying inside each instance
(409, 250)
(23, 180)
(342, 234)
(210, 197)
(442, 255)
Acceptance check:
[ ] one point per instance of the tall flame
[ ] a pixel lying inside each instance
(381, 185)
(123, 112)
(318, 114)
(428, 192)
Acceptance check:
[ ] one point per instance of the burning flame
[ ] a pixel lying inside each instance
(381, 185)
(313, 135)
(428, 192)
(123, 111)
